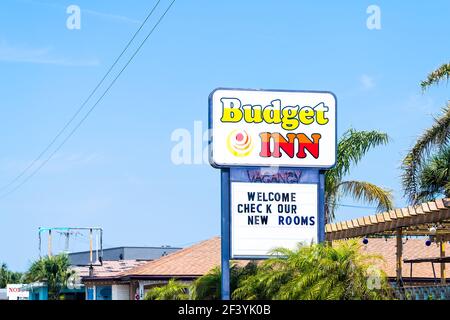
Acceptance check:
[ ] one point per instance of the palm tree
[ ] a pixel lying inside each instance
(434, 177)
(352, 147)
(173, 290)
(432, 140)
(435, 77)
(7, 276)
(54, 271)
(317, 272)
(208, 286)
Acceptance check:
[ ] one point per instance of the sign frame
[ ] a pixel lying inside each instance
(211, 128)
(309, 176)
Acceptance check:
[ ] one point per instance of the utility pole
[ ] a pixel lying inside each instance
(66, 245)
(50, 242)
(90, 245)
(70, 231)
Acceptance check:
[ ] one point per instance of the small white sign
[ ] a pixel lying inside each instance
(272, 128)
(265, 216)
(17, 292)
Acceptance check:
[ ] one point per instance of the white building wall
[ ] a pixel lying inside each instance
(120, 292)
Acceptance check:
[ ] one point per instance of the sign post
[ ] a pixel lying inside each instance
(225, 233)
(272, 147)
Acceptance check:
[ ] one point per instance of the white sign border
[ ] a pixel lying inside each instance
(211, 128)
(263, 257)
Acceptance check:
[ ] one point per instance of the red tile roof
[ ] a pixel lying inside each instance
(109, 269)
(412, 249)
(195, 261)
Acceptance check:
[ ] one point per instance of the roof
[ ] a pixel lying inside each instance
(413, 220)
(109, 269)
(132, 247)
(122, 253)
(412, 249)
(193, 261)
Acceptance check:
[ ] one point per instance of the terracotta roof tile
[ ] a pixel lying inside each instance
(412, 249)
(109, 268)
(196, 260)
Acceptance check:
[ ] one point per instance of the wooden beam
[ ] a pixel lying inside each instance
(399, 254)
(442, 247)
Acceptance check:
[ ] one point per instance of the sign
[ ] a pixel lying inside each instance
(272, 128)
(254, 132)
(265, 216)
(17, 292)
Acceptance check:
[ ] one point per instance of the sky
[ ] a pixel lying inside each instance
(116, 171)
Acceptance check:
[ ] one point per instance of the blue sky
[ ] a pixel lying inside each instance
(116, 171)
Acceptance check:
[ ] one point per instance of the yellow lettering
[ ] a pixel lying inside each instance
(320, 110)
(231, 110)
(272, 113)
(306, 115)
(252, 113)
(289, 120)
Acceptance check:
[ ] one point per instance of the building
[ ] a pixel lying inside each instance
(192, 262)
(121, 253)
(411, 261)
(413, 248)
(106, 289)
(186, 265)
(114, 261)
(416, 248)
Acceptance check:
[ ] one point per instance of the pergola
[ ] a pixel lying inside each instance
(430, 219)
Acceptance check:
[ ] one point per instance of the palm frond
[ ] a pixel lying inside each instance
(352, 147)
(173, 290)
(437, 136)
(369, 193)
(434, 177)
(441, 73)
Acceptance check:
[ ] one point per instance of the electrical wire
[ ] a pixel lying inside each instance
(63, 129)
(77, 112)
(354, 206)
(2, 196)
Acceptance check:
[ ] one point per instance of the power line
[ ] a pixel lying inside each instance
(89, 111)
(82, 105)
(354, 206)
(77, 112)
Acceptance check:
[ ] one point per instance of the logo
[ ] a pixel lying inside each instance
(239, 143)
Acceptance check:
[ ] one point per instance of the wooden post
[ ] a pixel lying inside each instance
(90, 245)
(399, 255)
(442, 246)
(50, 243)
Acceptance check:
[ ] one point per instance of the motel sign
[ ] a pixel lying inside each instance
(273, 128)
(272, 147)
